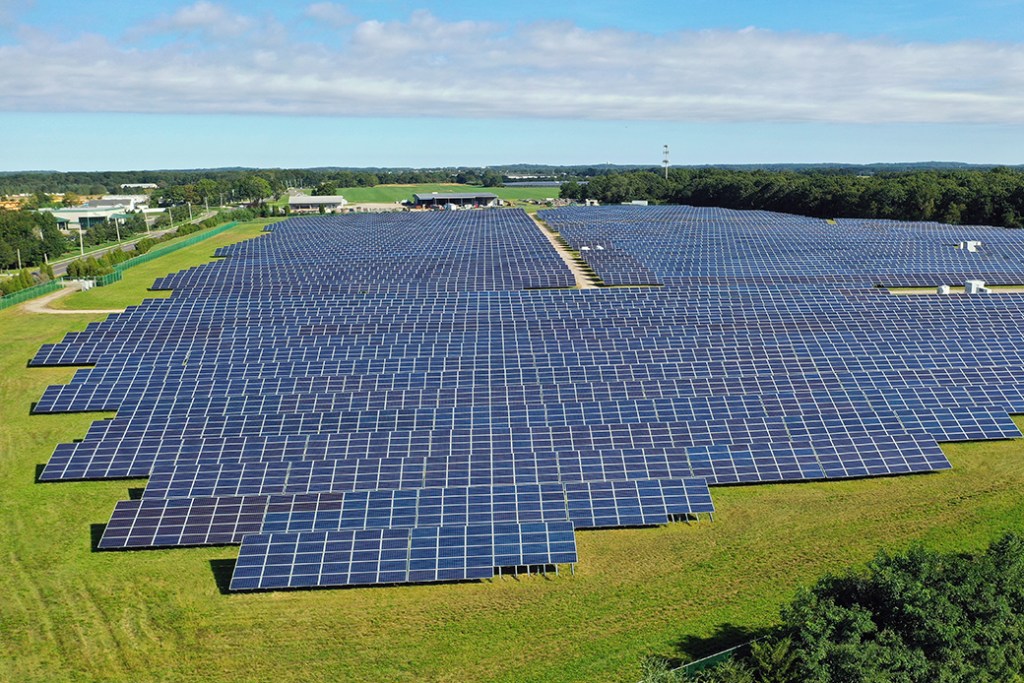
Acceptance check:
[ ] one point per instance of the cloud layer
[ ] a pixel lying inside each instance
(206, 59)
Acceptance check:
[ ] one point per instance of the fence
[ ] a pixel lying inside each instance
(29, 293)
(714, 660)
(119, 268)
(108, 279)
(111, 278)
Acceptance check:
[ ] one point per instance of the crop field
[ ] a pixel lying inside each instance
(72, 614)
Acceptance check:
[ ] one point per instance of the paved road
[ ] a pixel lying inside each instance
(61, 267)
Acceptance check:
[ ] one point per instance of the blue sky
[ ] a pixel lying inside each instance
(200, 83)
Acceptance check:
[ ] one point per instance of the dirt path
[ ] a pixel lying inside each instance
(42, 304)
(583, 281)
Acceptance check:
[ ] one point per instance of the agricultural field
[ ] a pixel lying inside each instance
(72, 614)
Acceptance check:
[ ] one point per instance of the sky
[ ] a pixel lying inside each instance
(117, 85)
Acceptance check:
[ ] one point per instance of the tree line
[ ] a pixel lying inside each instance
(914, 617)
(208, 183)
(29, 237)
(990, 197)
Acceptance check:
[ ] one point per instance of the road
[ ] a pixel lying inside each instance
(61, 267)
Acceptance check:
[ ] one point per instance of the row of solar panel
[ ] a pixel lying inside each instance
(225, 520)
(673, 241)
(386, 556)
(871, 453)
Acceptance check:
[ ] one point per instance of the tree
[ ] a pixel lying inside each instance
(570, 190)
(916, 617)
(253, 188)
(207, 189)
(492, 179)
(325, 189)
(34, 235)
(71, 199)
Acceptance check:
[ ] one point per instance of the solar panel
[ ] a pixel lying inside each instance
(383, 556)
(177, 522)
(224, 520)
(351, 375)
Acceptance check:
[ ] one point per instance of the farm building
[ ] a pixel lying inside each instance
(435, 199)
(309, 204)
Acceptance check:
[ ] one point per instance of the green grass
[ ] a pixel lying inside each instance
(131, 289)
(396, 193)
(68, 614)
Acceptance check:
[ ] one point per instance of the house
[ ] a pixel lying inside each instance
(309, 204)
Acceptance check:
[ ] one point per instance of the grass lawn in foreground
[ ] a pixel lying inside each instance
(69, 614)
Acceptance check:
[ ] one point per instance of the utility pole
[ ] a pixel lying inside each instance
(19, 258)
(190, 212)
(81, 242)
(664, 161)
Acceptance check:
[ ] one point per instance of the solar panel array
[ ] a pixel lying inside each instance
(690, 242)
(387, 252)
(420, 397)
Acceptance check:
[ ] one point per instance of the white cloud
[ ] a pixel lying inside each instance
(426, 66)
(203, 17)
(11, 9)
(331, 13)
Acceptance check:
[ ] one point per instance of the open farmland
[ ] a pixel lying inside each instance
(161, 614)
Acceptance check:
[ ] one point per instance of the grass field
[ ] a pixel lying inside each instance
(131, 289)
(69, 614)
(396, 193)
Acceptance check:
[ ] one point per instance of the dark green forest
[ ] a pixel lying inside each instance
(989, 197)
(209, 182)
(108, 182)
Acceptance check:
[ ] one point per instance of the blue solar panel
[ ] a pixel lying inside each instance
(349, 375)
(153, 522)
(383, 556)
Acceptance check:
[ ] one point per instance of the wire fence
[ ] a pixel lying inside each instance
(109, 279)
(163, 251)
(29, 293)
(714, 660)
